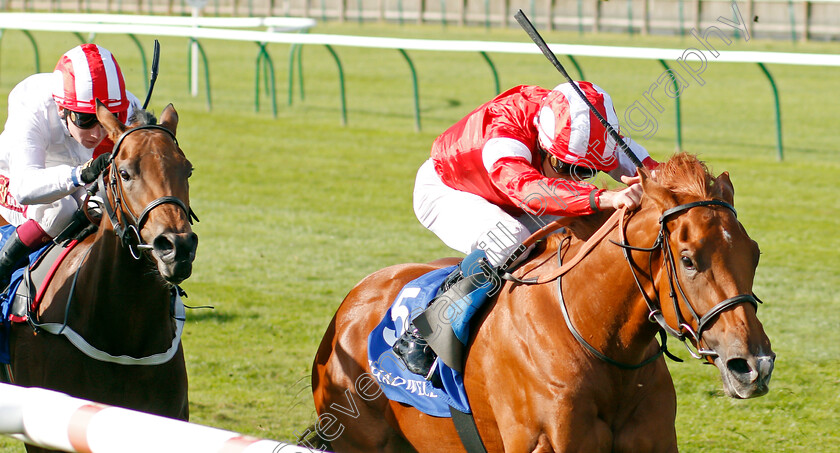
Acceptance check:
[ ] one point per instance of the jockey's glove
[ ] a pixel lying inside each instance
(92, 168)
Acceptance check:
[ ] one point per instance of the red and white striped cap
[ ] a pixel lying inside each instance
(86, 73)
(572, 133)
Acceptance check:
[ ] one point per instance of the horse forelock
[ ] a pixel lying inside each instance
(142, 117)
(685, 174)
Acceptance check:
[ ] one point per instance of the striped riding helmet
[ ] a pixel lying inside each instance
(569, 130)
(86, 73)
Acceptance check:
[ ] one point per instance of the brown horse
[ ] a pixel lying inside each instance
(119, 283)
(532, 385)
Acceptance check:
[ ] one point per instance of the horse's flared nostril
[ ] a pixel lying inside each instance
(741, 370)
(765, 366)
(164, 246)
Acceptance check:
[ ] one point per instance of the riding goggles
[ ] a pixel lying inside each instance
(576, 171)
(82, 120)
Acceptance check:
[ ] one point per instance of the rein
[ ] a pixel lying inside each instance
(684, 329)
(129, 234)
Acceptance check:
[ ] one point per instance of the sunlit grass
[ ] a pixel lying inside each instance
(295, 210)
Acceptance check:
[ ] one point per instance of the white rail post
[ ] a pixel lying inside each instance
(54, 420)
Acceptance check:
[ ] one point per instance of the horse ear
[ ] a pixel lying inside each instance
(724, 186)
(112, 125)
(663, 197)
(169, 118)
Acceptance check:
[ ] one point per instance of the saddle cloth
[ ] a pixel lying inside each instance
(399, 384)
(14, 302)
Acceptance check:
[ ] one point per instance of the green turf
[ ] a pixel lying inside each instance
(295, 210)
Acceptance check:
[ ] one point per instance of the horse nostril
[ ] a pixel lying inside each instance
(741, 370)
(163, 245)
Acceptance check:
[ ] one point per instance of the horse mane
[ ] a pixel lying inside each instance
(685, 174)
(142, 117)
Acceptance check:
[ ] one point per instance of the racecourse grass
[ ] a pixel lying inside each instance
(296, 210)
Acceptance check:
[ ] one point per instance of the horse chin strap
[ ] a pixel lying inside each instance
(684, 330)
(129, 233)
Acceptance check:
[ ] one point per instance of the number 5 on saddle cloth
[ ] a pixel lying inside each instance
(445, 324)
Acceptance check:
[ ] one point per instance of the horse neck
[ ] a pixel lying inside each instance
(602, 296)
(126, 303)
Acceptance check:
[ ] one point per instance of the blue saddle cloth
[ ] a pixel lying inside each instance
(390, 372)
(7, 297)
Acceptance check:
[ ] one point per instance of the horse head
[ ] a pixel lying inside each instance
(148, 191)
(709, 265)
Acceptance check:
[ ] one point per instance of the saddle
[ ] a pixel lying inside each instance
(35, 277)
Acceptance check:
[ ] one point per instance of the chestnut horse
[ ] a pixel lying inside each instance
(532, 385)
(119, 283)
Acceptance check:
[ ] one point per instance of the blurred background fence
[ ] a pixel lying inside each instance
(776, 19)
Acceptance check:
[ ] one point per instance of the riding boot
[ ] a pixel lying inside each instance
(412, 347)
(11, 255)
(415, 352)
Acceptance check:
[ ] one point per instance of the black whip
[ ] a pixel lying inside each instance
(540, 42)
(155, 61)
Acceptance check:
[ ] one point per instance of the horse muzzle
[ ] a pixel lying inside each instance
(174, 254)
(745, 375)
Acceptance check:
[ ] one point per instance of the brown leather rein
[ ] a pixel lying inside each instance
(684, 330)
(129, 233)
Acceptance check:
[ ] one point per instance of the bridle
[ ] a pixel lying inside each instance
(684, 330)
(129, 232)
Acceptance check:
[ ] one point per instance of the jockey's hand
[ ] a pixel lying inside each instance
(92, 168)
(629, 197)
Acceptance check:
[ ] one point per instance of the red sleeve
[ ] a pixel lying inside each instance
(532, 192)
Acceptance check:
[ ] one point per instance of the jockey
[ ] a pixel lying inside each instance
(53, 145)
(510, 167)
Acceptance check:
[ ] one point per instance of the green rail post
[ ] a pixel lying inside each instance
(443, 13)
(142, 60)
(678, 115)
(340, 84)
(496, 84)
(630, 17)
(35, 48)
(486, 13)
(682, 17)
(416, 91)
(533, 11)
(580, 16)
(577, 67)
(268, 74)
(295, 56)
(792, 21)
(203, 55)
(779, 151)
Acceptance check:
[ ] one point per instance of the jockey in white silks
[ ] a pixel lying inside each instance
(52, 145)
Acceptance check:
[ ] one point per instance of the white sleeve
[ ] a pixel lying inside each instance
(27, 131)
(626, 167)
(497, 148)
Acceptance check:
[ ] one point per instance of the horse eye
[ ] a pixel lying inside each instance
(687, 263)
(124, 175)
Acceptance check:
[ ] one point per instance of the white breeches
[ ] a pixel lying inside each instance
(52, 217)
(466, 222)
